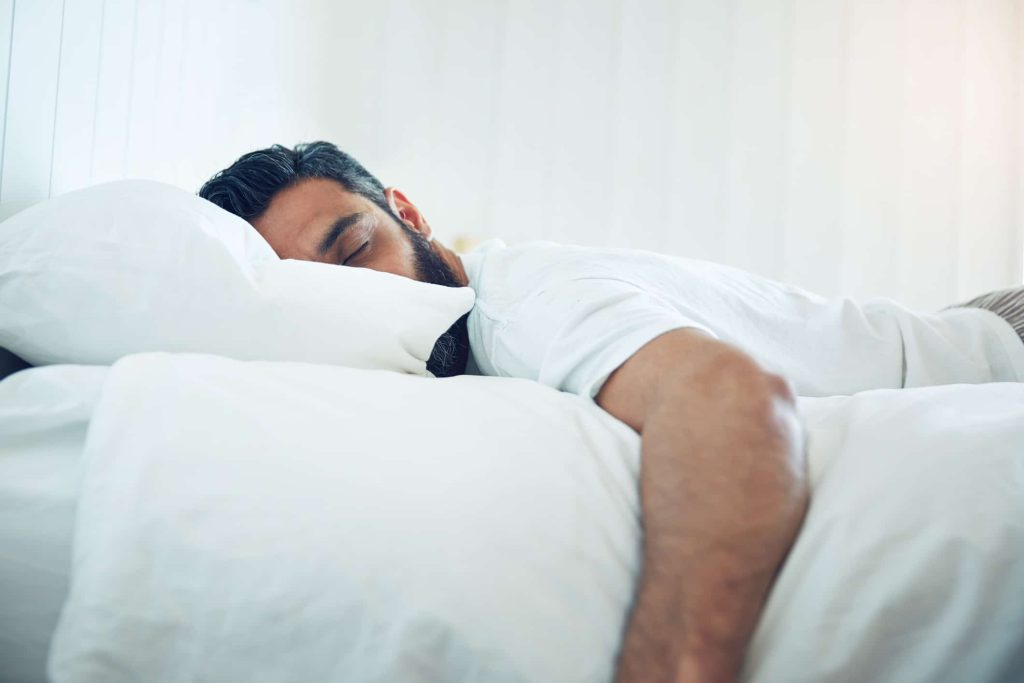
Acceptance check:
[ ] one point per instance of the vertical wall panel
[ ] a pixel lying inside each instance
(142, 142)
(1018, 117)
(760, 102)
(76, 96)
(408, 107)
(931, 151)
(169, 139)
(873, 147)
(464, 100)
(264, 81)
(526, 131)
(197, 92)
(700, 137)
(411, 57)
(811, 243)
(987, 182)
(638, 211)
(584, 92)
(6, 36)
(224, 117)
(31, 104)
(358, 30)
(206, 129)
(113, 90)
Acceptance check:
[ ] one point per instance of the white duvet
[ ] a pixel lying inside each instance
(44, 414)
(288, 522)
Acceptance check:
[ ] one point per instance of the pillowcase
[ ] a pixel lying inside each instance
(279, 522)
(137, 265)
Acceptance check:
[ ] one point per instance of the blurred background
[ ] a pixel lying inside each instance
(855, 147)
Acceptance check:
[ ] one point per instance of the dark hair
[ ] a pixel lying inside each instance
(246, 187)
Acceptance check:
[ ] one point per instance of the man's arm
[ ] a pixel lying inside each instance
(724, 491)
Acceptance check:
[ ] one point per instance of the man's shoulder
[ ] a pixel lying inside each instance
(537, 263)
(511, 281)
(568, 315)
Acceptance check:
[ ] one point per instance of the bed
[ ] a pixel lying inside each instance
(225, 485)
(491, 533)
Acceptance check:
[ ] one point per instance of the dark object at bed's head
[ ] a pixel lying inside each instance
(10, 364)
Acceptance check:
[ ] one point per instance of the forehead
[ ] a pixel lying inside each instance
(297, 217)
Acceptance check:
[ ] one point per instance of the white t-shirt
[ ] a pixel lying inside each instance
(569, 316)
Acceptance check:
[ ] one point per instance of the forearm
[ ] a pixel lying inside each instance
(724, 493)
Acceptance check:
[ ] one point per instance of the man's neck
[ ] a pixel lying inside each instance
(454, 262)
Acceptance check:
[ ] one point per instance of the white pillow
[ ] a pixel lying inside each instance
(276, 522)
(137, 265)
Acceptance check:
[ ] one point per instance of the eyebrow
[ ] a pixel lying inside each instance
(339, 226)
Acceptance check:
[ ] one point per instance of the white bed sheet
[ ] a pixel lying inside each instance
(44, 413)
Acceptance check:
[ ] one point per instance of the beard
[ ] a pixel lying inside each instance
(451, 350)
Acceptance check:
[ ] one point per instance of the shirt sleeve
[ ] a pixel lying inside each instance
(572, 335)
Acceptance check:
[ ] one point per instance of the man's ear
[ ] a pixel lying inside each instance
(407, 212)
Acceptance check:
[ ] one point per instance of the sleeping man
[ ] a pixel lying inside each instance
(703, 361)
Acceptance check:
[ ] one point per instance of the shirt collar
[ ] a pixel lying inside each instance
(473, 261)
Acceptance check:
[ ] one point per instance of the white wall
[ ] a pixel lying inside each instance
(868, 147)
(166, 89)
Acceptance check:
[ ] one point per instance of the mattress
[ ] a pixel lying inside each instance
(44, 413)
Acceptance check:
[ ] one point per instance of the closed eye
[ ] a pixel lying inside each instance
(355, 253)
(339, 228)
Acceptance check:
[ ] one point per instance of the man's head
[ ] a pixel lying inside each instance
(316, 203)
